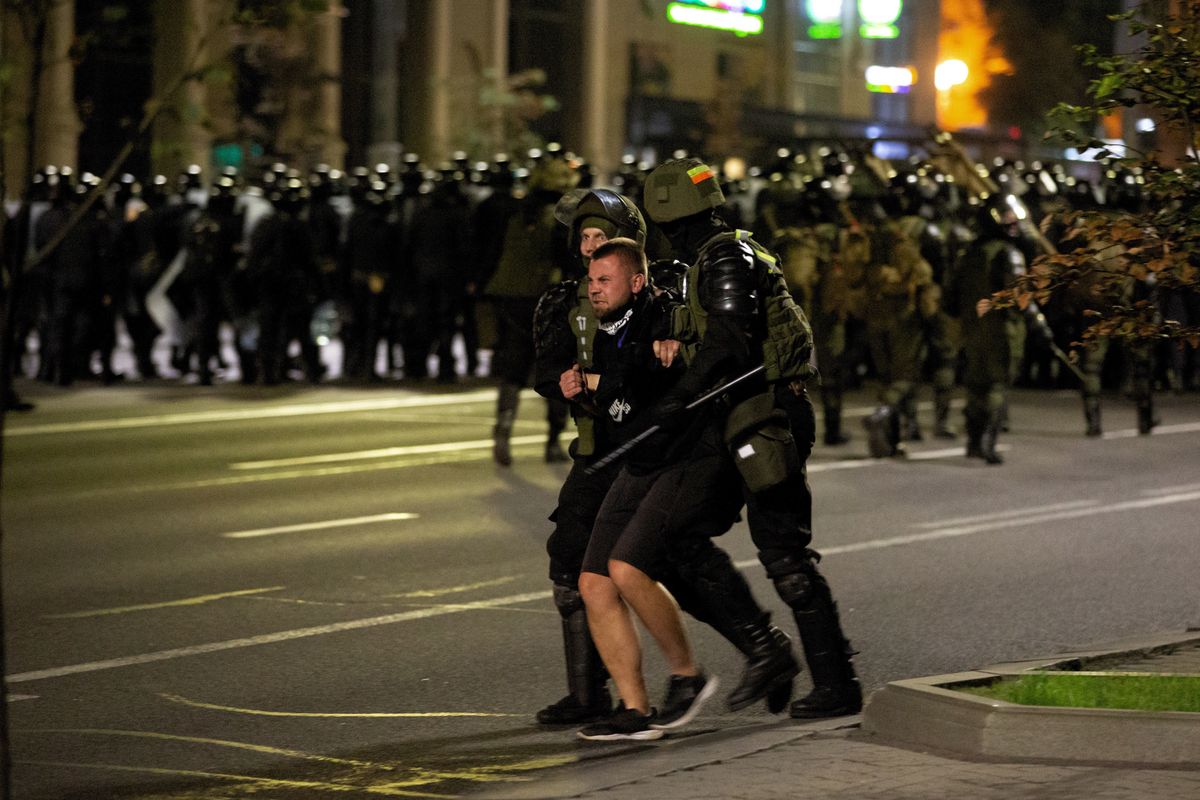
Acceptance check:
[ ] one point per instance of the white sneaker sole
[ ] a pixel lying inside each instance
(637, 736)
(710, 688)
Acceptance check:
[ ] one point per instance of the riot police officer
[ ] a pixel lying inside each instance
(993, 342)
(745, 317)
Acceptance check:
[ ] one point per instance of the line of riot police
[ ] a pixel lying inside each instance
(886, 258)
(386, 263)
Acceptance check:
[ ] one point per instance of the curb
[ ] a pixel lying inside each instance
(665, 757)
(929, 713)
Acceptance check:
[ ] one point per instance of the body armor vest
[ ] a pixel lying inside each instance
(787, 346)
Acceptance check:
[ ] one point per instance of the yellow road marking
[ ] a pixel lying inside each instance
(455, 589)
(418, 776)
(256, 748)
(252, 780)
(187, 601)
(174, 698)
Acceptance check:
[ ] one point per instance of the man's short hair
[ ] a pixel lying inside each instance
(629, 252)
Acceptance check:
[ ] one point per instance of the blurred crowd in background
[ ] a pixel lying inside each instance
(381, 274)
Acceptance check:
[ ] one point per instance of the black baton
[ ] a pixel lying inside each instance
(619, 452)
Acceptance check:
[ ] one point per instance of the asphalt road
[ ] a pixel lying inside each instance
(329, 591)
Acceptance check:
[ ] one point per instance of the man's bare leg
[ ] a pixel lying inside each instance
(660, 614)
(616, 638)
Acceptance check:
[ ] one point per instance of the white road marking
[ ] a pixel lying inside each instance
(1016, 512)
(16, 698)
(990, 522)
(187, 601)
(949, 532)
(268, 412)
(954, 531)
(384, 452)
(271, 638)
(466, 587)
(345, 522)
(1189, 487)
(1161, 430)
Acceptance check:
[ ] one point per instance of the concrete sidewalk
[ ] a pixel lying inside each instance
(836, 759)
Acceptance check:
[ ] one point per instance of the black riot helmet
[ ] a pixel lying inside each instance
(579, 205)
(1002, 216)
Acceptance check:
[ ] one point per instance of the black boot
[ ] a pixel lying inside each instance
(770, 666)
(1147, 421)
(883, 432)
(506, 415)
(836, 691)
(988, 442)
(556, 419)
(910, 426)
(587, 696)
(501, 450)
(941, 417)
(834, 436)
(707, 585)
(1091, 414)
(827, 653)
(975, 426)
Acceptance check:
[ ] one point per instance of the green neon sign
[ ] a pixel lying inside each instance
(879, 18)
(747, 24)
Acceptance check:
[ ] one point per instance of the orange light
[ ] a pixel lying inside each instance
(966, 37)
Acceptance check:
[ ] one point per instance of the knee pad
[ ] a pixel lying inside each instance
(567, 599)
(795, 589)
(797, 580)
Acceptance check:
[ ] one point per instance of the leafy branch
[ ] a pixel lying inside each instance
(1116, 261)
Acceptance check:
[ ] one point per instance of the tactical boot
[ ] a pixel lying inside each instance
(587, 696)
(556, 421)
(987, 443)
(506, 415)
(836, 690)
(833, 427)
(1091, 414)
(941, 417)
(501, 451)
(1145, 415)
(975, 427)
(882, 438)
(770, 665)
(910, 426)
(829, 701)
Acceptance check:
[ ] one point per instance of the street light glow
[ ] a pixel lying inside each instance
(949, 74)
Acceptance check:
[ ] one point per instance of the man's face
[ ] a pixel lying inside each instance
(611, 284)
(589, 240)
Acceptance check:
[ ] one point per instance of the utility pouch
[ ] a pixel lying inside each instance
(760, 440)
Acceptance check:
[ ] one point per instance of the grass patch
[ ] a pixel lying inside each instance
(1092, 690)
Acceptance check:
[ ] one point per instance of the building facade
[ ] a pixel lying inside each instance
(348, 82)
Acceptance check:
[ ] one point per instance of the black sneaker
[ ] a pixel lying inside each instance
(625, 724)
(685, 696)
(569, 711)
(829, 701)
